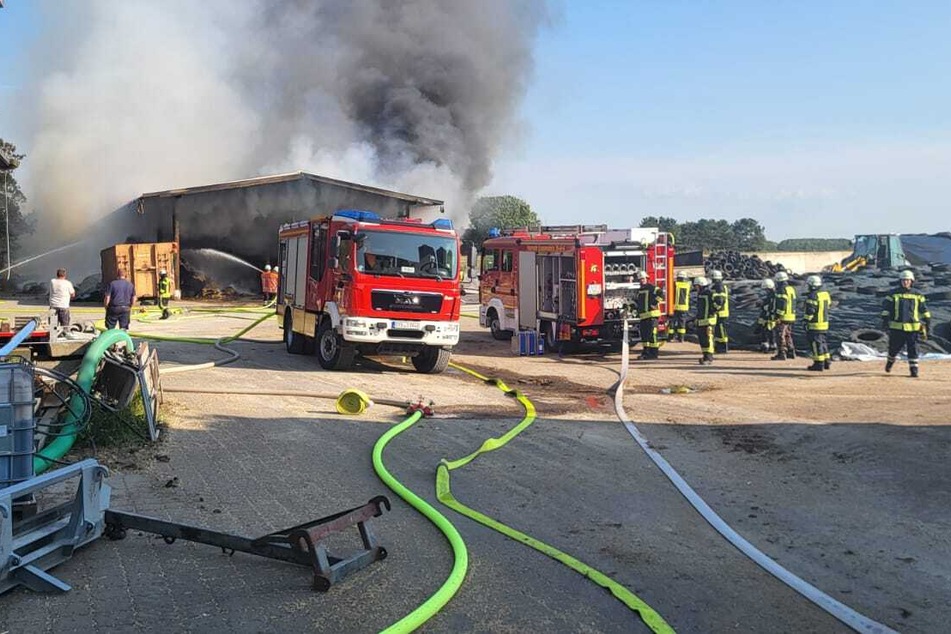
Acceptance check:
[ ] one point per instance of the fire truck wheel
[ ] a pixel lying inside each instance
(431, 360)
(294, 341)
(495, 325)
(332, 352)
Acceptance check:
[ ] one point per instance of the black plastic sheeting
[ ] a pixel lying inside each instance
(923, 248)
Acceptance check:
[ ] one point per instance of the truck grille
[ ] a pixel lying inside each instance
(406, 301)
(404, 334)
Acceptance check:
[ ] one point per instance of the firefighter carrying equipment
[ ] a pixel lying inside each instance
(906, 310)
(816, 313)
(785, 302)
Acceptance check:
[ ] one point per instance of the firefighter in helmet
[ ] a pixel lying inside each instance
(721, 340)
(766, 322)
(906, 318)
(647, 308)
(785, 315)
(164, 293)
(708, 305)
(678, 323)
(816, 316)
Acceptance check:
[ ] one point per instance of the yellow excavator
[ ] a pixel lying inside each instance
(883, 251)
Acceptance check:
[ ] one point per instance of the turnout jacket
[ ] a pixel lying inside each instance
(785, 303)
(905, 309)
(164, 287)
(682, 296)
(767, 313)
(647, 302)
(708, 305)
(816, 312)
(720, 290)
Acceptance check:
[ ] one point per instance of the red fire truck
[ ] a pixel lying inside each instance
(354, 282)
(570, 283)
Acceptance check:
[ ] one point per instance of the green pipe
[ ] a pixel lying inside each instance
(61, 445)
(460, 555)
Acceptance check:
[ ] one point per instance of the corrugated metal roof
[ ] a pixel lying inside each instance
(284, 178)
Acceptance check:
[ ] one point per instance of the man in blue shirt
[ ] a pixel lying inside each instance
(119, 299)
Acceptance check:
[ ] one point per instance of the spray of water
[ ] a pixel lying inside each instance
(221, 254)
(44, 254)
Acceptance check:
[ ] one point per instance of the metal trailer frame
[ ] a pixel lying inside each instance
(30, 547)
(302, 544)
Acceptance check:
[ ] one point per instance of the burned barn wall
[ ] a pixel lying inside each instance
(244, 220)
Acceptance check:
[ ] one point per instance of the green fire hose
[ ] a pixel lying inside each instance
(61, 445)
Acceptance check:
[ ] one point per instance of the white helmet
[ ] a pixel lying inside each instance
(163, 272)
(267, 267)
(814, 281)
(681, 275)
(701, 281)
(642, 275)
(768, 283)
(717, 275)
(907, 274)
(782, 276)
(277, 270)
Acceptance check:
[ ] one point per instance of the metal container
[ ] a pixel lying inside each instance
(16, 423)
(142, 262)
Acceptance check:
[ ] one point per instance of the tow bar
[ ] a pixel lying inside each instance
(302, 545)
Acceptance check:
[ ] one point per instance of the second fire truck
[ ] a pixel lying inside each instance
(570, 283)
(354, 282)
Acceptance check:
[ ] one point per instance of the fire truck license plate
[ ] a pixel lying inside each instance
(405, 325)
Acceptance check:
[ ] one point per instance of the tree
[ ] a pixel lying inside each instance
(663, 223)
(499, 212)
(815, 244)
(11, 204)
(749, 235)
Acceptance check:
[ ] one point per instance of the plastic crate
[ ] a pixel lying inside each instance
(16, 423)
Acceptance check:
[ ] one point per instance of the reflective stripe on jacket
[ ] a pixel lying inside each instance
(905, 310)
(817, 310)
(706, 308)
(786, 304)
(164, 287)
(647, 301)
(720, 290)
(682, 296)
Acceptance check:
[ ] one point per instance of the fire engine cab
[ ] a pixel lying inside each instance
(355, 282)
(570, 283)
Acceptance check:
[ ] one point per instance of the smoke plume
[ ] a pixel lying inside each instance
(140, 96)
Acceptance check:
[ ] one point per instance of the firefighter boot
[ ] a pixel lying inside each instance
(889, 364)
(779, 356)
(816, 366)
(792, 353)
(827, 364)
(914, 371)
(706, 359)
(166, 314)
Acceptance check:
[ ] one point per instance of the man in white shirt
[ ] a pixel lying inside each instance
(61, 291)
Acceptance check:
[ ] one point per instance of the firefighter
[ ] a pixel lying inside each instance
(267, 285)
(678, 325)
(720, 339)
(785, 314)
(164, 293)
(766, 322)
(708, 305)
(816, 316)
(647, 308)
(906, 318)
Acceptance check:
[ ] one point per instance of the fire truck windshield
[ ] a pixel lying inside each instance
(406, 254)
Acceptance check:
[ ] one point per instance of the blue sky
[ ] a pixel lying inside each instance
(816, 118)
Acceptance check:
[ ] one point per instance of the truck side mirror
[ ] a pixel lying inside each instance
(333, 263)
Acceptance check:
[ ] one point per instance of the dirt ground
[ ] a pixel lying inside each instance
(841, 476)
